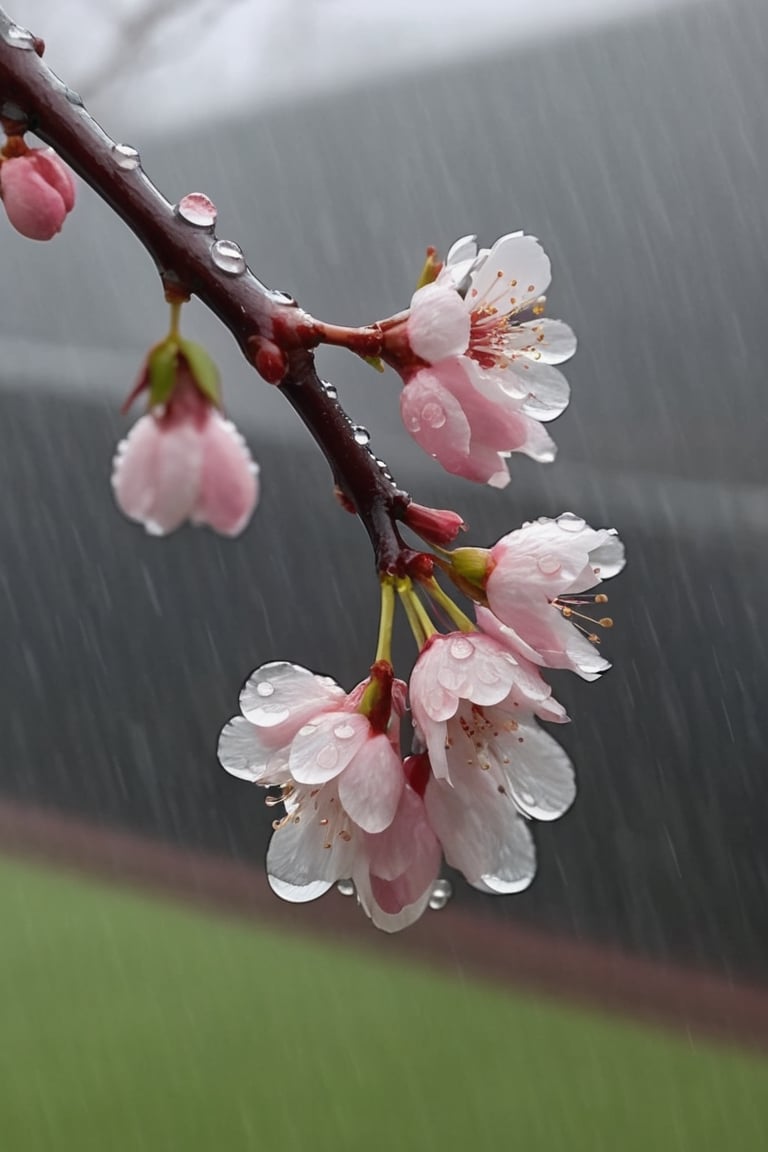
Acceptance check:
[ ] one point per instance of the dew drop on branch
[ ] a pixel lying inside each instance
(17, 37)
(197, 209)
(329, 389)
(126, 157)
(228, 257)
(362, 435)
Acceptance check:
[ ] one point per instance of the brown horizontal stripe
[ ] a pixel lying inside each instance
(456, 939)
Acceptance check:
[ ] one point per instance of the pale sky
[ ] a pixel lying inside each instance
(223, 54)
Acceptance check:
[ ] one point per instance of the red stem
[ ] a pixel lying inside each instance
(31, 94)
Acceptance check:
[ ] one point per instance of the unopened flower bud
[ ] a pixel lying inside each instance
(437, 525)
(38, 192)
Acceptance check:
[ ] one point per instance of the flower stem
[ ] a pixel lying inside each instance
(386, 619)
(418, 617)
(441, 597)
(175, 317)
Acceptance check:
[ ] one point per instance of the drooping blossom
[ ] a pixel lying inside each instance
(185, 461)
(38, 192)
(478, 360)
(349, 809)
(475, 706)
(537, 590)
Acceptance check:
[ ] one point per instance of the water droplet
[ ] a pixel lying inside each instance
(307, 729)
(414, 424)
(570, 523)
(264, 688)
(362, 435)
(461, 648)
(126, 157)
(18, 37)
(344, 731)
(345, 887)
(228, 256)
(281, 297)
(329, 389)
(268, 715)
(528, 798)
(197, 209)
(433, 414)
(549, 565)
(74, 97)
(328, 756)
(442, 890)
(486, 674)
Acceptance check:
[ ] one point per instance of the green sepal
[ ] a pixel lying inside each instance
(161, 372)
(375, 362)
(202, 370)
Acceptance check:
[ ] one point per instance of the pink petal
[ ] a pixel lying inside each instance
(156, 474)
(370, 787)
(279, 698)
(434, 418)
(324, 747)
(438, 323)
(243, 752)
(229, 484)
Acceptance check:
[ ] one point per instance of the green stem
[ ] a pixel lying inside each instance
(462, 621)
(386, 619)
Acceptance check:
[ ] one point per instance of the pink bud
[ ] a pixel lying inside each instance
(437, 525)
(38, 192)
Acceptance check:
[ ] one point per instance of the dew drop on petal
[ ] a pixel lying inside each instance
(549, 565)
(327, 757)
(433, 414)
(18, 37)
(570, 523)
(228, 257)
(442, 890)
(362, 435)
(528, 798)
(413, 422)
(307, 729)
(345, 887)
(126, 157)
(344, 731)
(487, 675)
(461, 648)
(197, 209)
(265, 688)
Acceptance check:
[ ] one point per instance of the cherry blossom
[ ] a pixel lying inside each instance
(478, 362)
(536, 587)
(38, 192)
(185, 461)
(475, 707)
(350, 812)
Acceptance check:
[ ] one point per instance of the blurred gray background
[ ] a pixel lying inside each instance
(634, 142)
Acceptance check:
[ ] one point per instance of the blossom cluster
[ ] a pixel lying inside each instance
(483, 767)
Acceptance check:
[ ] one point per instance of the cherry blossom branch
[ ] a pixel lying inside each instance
(275, 336)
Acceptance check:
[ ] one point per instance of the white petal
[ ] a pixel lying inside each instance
(370, 787)
(558, 343)
(539, 774)
(243, 753)
(481, 832)
(297, 857)
(299, 893)
(463, 249)
(278, 693)
(324, 747)
(516, 272)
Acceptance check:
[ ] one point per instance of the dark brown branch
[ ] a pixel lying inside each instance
(30, 94)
